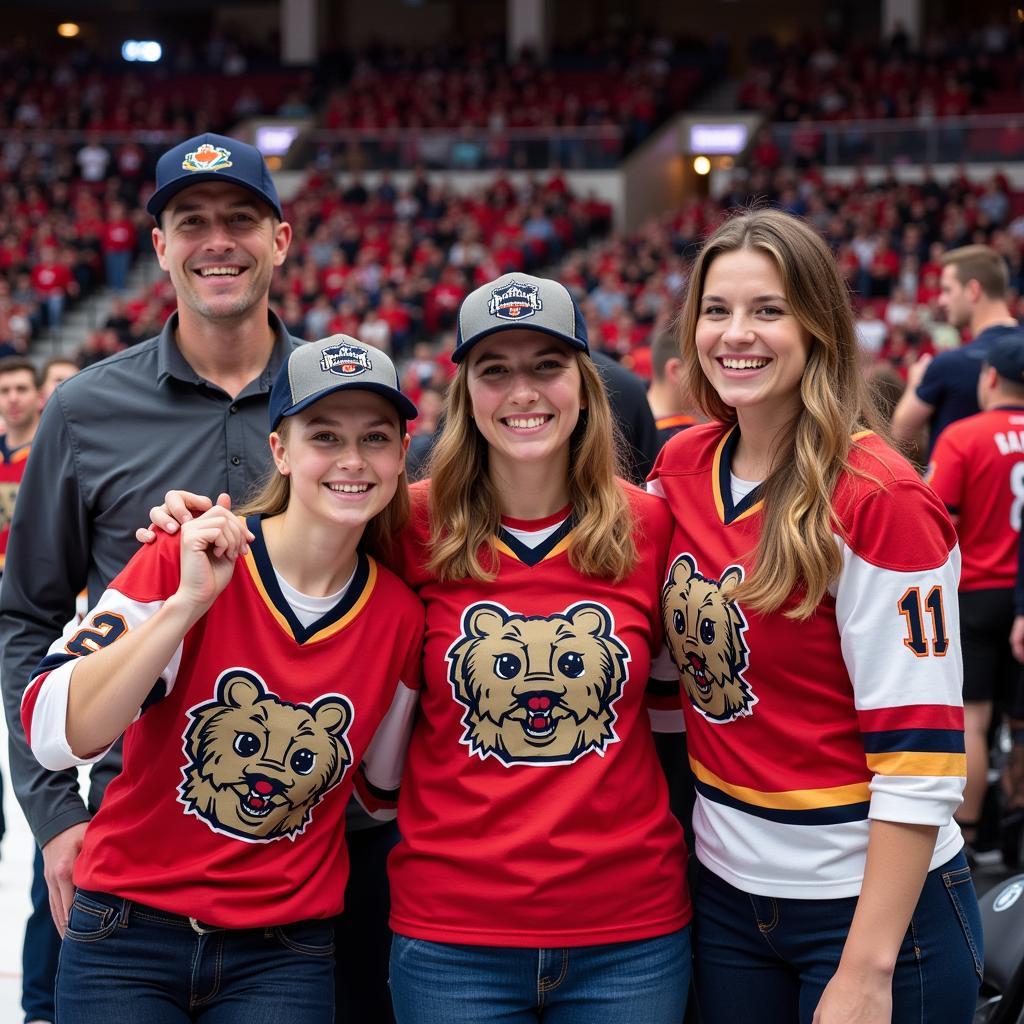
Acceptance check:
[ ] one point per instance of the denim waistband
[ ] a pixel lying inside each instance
(125, 909)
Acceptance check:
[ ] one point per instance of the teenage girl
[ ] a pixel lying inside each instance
(249, 665)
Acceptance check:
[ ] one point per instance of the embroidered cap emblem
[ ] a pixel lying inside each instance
(515, 301)
(345, 360)
(207, 158)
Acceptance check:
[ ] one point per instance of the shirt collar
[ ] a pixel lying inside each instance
(171, 363)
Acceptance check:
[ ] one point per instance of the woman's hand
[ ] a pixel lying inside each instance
(210, 546)
(856, 999)
(181, 507)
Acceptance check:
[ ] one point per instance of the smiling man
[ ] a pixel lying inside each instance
(185, 409)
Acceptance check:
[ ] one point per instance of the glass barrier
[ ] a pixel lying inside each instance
(463, 149)
(979, 139)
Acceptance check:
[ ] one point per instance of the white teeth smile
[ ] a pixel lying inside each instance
(526, 423)
(349, 488)
(744, 364)
(219, 271)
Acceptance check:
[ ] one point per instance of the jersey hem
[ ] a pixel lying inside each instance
(943, 852)
(503, 937)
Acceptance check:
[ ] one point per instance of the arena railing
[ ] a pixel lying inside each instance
(464, 149)
(995, 138)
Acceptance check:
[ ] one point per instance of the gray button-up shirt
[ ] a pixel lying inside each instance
(112, 440)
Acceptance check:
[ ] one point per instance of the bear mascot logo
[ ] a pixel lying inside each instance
(257, 765)
(537, 689)
(704, 630)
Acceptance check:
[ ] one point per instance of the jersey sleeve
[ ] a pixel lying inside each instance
(134, 596)
(379, 776)
(898, 619)
(947, 472)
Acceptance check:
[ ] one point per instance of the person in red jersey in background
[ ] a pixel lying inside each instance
(259, 670)
(977, 469)
(809, 606)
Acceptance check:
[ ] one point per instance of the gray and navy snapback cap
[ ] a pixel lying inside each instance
(212, 157)
(337, 363)
(519, 302)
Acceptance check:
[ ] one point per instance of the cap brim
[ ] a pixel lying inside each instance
(406, 410)
(162, 196)
(462, 350)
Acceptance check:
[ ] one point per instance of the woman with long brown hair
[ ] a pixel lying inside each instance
(810, 608)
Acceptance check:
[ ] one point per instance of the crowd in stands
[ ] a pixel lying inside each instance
(629, 83)
(951, 74)
(78, 143)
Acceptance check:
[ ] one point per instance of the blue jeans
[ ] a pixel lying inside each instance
(442, 983)
(767, 959)
(39, 953)
(123, 962)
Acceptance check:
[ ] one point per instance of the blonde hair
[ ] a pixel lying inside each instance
(797, 550)
(273, 495)
(464, 510)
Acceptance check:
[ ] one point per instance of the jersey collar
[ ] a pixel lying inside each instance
(261, 571)
(558, 542)
(721, 482)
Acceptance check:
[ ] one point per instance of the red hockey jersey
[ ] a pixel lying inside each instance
(800, 732)
(977, 469)
(237, 772)
(534, 811)
(12, 469)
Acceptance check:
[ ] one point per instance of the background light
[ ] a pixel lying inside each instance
(145, 50)
(718, 138)
(67, 29)
(702, 165)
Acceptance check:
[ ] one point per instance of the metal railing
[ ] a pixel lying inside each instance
(463, 149)
(989, 138)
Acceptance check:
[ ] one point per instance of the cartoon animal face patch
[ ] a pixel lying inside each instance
(705, 633)
(537, 689)
(258, 765)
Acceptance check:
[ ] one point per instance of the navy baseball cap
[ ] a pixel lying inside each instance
(337, 363)
(519, 302)
(1006, 356)
(212, 158)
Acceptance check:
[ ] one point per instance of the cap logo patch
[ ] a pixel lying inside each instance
(345, 361)
(515, 301)
(207, 158)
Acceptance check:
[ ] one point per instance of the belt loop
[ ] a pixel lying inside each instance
(125, 913)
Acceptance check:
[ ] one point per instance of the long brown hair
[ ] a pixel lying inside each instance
(464, 510)
(380, 533)
(797, 550)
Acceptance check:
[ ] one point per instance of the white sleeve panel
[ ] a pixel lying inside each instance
(900, 635)
(385, 756)
(655, 487)
(875, 631)
(48, 691)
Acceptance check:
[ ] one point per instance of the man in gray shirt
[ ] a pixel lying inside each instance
(185, 409)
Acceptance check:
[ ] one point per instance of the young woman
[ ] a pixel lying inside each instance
(540, 875)
(810, 608)
(249, 666)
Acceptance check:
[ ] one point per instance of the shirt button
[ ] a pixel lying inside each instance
(232, 408)
(235, 460)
